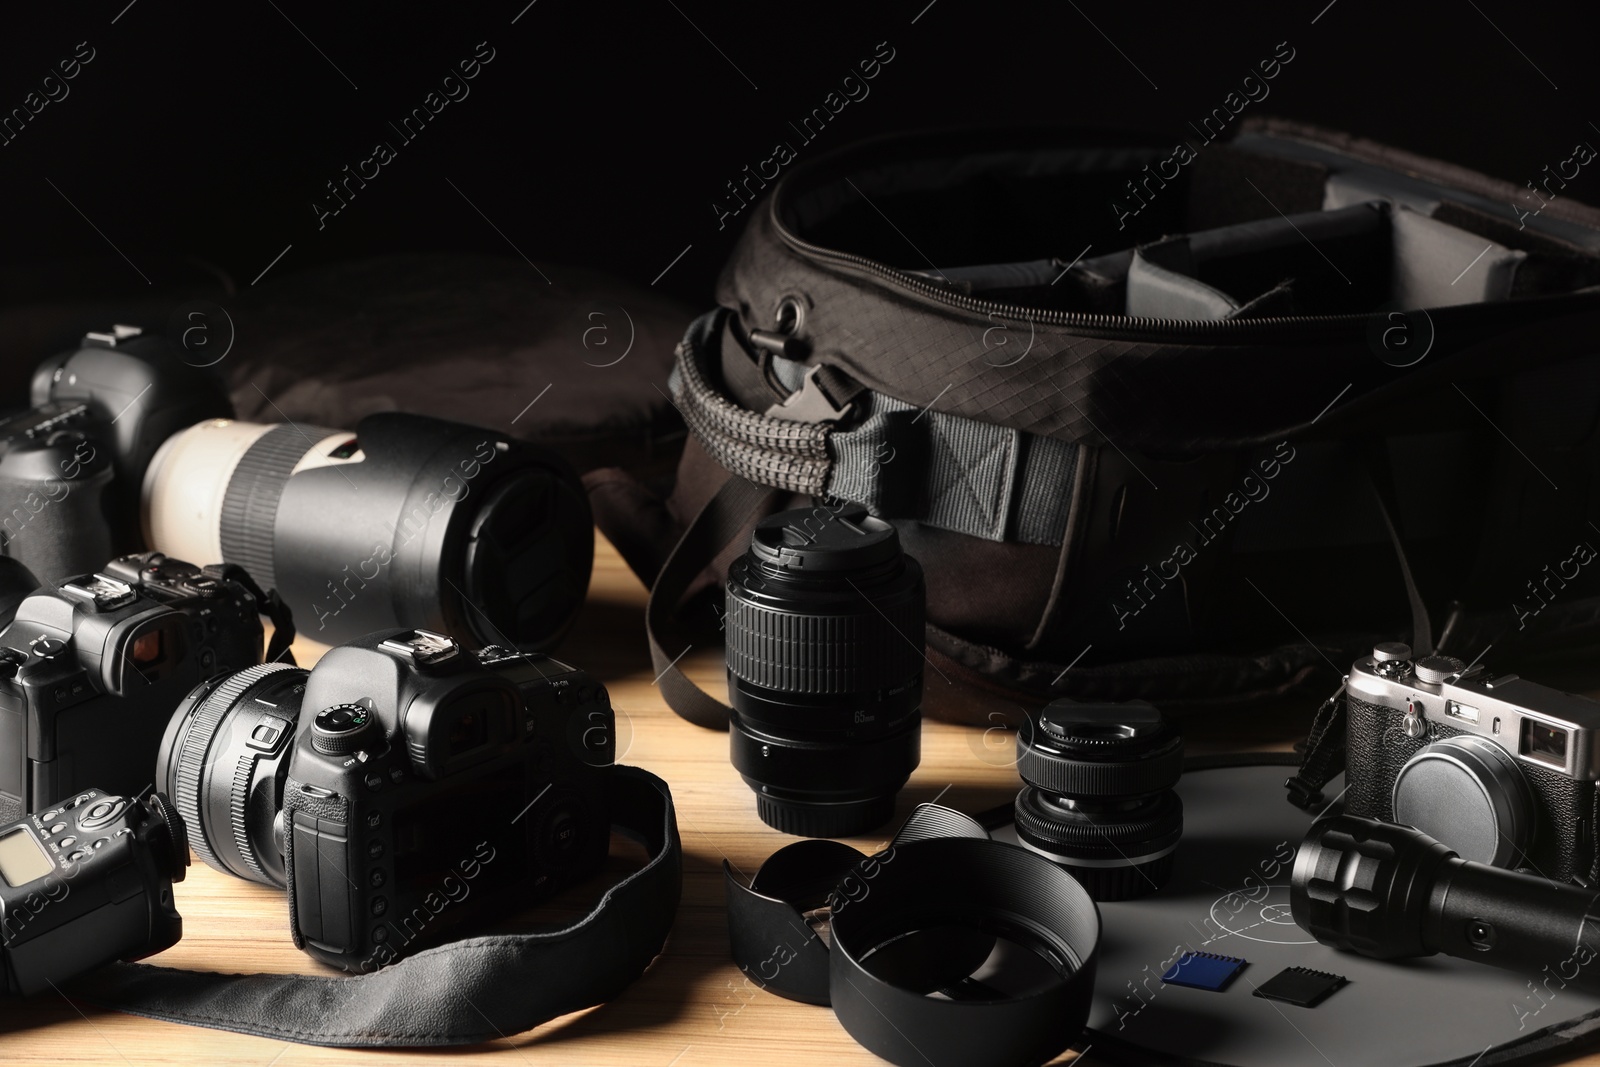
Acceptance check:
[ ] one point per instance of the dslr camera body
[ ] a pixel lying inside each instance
(72, 464)
(90, 670)
(87, 882)
(400, 789)
(1500, 769)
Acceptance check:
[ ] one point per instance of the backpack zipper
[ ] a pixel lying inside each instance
(1094, 324)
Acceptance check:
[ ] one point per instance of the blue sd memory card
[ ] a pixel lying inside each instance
(1203, 970)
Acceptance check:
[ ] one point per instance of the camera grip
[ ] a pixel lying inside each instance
(57, 527)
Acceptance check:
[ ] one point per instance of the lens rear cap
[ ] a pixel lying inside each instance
(1086, 729)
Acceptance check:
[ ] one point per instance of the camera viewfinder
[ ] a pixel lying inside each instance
(1543, 742)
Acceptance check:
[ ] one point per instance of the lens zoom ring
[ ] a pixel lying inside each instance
(250, 503)
(824, 654)
(191, 762)
(1070, 777)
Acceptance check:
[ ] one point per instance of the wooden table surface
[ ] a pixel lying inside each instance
(692, 1008)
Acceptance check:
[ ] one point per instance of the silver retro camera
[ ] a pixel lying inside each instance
(1500, 769)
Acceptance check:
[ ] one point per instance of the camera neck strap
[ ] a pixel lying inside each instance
(732, 511)
(1324, 756)
(465, 992)
(269, 604)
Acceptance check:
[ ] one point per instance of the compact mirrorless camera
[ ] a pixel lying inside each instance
(400, 789)
(1497, 768)
(87, 882)
(91, 670)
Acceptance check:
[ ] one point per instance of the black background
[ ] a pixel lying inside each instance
(602, 132)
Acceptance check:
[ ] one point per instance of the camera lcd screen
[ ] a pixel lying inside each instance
(22, 858)
(445, 835)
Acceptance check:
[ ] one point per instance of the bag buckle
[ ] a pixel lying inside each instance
(809, 403)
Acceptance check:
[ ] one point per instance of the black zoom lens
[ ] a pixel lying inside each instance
(223, 762)
(824, 635)
(1098, 796)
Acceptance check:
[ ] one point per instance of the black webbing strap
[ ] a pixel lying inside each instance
(718, 523)
(466, 992)
(1326, 743)
(269, 604)
(1324, 755)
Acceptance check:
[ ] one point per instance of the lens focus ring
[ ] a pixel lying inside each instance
(250, 502)
(188, 770)
(823, 654)
(1149, 774)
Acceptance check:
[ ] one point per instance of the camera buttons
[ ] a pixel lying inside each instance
(67, 842)
(102, 814)
(269, 732)
(46, 647)
(380, 905)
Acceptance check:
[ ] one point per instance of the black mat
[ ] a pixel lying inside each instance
(1229, 895)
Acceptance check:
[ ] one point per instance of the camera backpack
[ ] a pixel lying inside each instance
(1187, 422)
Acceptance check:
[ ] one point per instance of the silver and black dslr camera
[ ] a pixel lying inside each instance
(91, 669)
(402, 788)
(1500, 769)
(85, 882)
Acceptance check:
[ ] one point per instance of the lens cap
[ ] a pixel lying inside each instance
(824, 539)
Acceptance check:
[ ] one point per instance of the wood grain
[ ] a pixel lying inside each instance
(693, 1008)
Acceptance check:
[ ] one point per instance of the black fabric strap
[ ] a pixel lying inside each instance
(718, 523)
(269, 604)
(465, 992)
(1325, 753)
(1326, 743)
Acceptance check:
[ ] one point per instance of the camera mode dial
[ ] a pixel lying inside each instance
(342, 729)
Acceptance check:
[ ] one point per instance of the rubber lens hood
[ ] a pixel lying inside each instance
(919, 918)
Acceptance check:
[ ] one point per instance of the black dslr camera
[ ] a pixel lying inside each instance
(1499, 769)
(90, 671)
(400, 789)
(85, 883)
(71, 466)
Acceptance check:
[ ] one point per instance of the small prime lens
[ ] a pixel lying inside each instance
(824, 643)
(223, 762)
(1097, 795)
